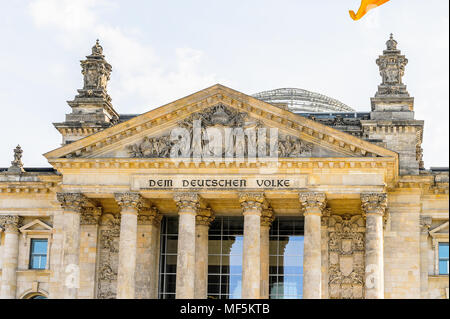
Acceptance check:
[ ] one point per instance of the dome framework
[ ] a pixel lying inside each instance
(299, 100)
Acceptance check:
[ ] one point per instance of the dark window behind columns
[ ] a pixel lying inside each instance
(286, 258)
(225, 258)
(168, 259)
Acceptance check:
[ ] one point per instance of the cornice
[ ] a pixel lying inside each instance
(137, 163)
(28, 187)
(169, 114)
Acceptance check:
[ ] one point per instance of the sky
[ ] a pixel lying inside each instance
(164, 50)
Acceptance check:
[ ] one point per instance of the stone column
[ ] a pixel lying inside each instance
(72, 204)
(374, 209)
(267, 217)
(11, 225)
(425, 224)
(313, 205)
(149, 222)
(252, 205)
(188, 204)
(325, 238)
(130, 204)
(88, 251)
(204, 220)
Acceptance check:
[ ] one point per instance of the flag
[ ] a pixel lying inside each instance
(366, 5)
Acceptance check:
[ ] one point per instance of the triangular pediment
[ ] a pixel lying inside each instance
(36, 226)
(442, 229)
(218, 108)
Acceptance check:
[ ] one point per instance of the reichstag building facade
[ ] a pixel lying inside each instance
(284, 194)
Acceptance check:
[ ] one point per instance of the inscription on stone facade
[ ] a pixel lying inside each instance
(217, 182)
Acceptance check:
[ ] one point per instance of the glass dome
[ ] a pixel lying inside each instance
(299, 100)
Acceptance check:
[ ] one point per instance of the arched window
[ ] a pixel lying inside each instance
(35, 295)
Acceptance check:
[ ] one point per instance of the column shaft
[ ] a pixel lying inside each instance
(374, 257)
(251, 265)
(374, 206)
(252, 205)
(313, 205)
(147, 255)
(10, 258)
(201, 262)
(267, 217)
(425, 223)
(130, 204)
(186, 256)
(154, 258)
(72, 204)
(265, 261)
(127, 254)
(312, 259)
(188, 204)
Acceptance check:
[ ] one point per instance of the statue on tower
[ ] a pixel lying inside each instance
(17, 165)
(96, 72)
(392, 68)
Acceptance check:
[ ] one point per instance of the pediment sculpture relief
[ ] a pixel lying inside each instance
(220, 131)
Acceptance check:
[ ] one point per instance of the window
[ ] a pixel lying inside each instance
(443, 258)
(225, 247)
(38, 253)
(286, 258)
(168, 259)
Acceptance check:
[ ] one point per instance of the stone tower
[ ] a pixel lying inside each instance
(392, 116)
(92, 110)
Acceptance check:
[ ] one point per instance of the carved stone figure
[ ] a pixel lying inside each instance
(17, 165)
(108, 256)
(392, 68)
(346, 256)
(238, 136)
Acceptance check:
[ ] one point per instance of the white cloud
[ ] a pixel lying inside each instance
(140, 75)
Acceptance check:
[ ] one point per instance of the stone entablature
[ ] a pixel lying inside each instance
(144, 125)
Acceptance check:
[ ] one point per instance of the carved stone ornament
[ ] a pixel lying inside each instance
(252, 201)
(129, 200)
(346, 256)
(90, 215)
(204, 216)
(374, 203)
(392, 69)
(239, 134)
(425, 224)
(11, 223)
(187, 201)
(108, 256)
(267, 217)
(150, 216)
(17, 165)
(312, 201)
(72, 202)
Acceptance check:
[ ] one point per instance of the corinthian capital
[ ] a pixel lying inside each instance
(150, 216)
(90, 215)
(187, 201)
(313, 202)
(373, 203)
(129, 200)
(267, 217)
(252, 201)
(205, 216)
(73, 202)
(11, 223)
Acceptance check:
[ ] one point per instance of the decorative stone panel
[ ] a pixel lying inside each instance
(108, 256)
(346, 256)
